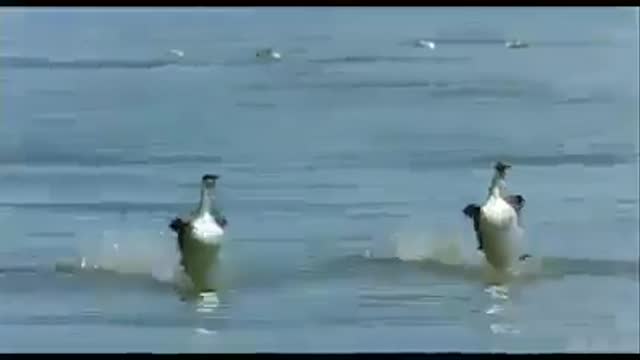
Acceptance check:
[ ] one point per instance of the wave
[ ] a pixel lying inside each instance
(27, 62)
(103, 206)
(536, 269)
(95, 272)
(255, 105)
(287, 206)
(447, 256)
(176, 57)
(590, 160)
(435, 88)
(145, 261)
(502, 40)
(444, 262)
(585, 99)
(467, 159)
(360, 59)
(392, 59)
(46, 63)
(103, 159)
(120, 259)
(51, 234)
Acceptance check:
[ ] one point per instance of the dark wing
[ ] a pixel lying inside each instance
(516, 202)
(524, 257)
(220, 219)
(472, 211)
(177, 224)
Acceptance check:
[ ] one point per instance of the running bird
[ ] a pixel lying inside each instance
(497, 221)
(200, 236)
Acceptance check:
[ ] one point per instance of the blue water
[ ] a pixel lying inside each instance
(344, 169)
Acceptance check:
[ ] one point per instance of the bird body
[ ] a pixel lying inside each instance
(497, 223)
(200, 238)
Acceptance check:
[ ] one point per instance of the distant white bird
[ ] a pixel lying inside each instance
(516, 44)
(200, 237)
(425, 44)
(268, 54)
(497, 222)
(176, 52)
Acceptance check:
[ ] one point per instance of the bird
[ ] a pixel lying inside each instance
(268, 54)
(516, 44)
(200, 236)
(498, 221)
(425, 44)
(177, 52)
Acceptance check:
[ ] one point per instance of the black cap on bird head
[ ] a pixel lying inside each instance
(502, 167)
(209, 179)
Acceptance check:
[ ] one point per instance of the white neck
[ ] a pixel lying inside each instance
(497, 185)
(206, 197)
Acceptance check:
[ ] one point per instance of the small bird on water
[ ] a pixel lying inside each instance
(200, 236)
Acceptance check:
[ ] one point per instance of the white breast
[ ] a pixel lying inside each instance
(499, 228)
(206, 230)
(200, 250)
(498, 213)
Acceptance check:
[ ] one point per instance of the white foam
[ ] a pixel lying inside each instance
(129, 252)
(446, 248)
(451, 248)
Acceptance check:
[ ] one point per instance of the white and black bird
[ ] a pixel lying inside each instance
(268, 54)
(516, 44)
(497, 223)
(421, 43)
(200, 236)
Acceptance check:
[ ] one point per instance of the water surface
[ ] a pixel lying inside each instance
(344, 168)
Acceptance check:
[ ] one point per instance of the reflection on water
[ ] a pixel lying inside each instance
(207, 302)
(500, 310)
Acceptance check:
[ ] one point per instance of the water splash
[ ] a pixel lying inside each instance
(127, 253)
(137, 253)
(445, 248)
